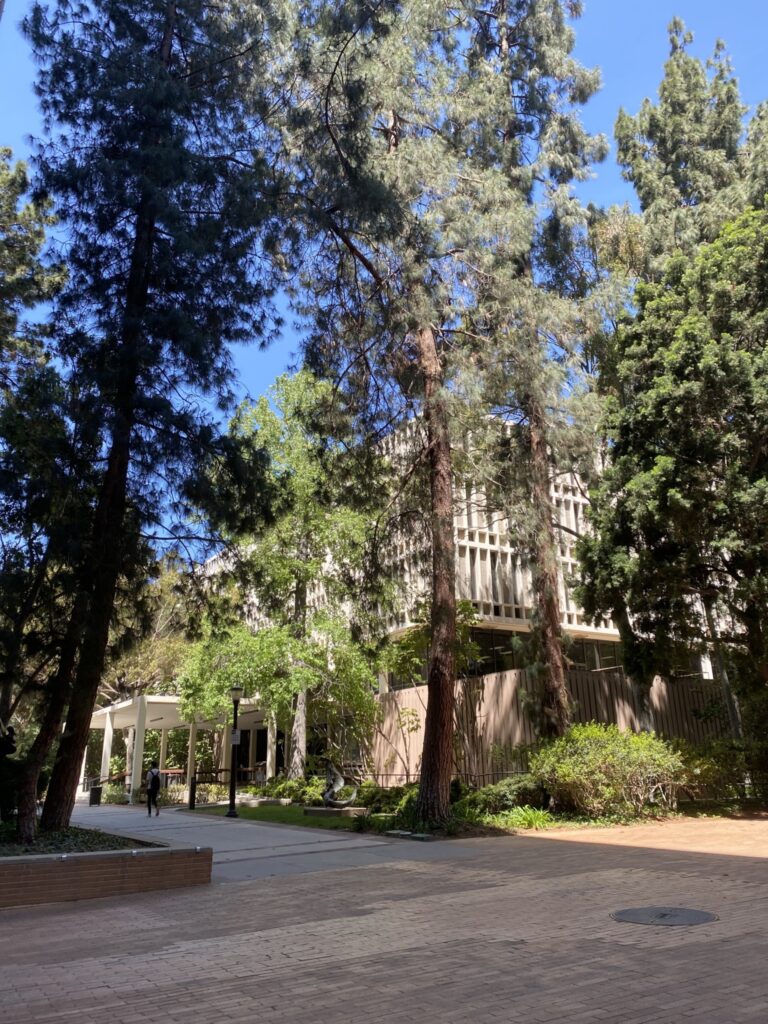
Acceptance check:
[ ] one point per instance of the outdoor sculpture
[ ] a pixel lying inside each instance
(334, 783)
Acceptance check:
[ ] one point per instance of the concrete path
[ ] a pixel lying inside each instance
(514, 930)
(245, 849)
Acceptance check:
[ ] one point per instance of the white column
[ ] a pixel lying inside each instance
(83, 769)
(191, 752)
(137, 761)
(163, 749)
(271, 747)
(106, 746)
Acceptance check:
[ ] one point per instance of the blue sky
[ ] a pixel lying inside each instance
(628, 41)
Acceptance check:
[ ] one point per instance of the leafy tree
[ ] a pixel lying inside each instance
(312, 564)
(326, 667)
(143, 107)
(151, 636)
(680, 521)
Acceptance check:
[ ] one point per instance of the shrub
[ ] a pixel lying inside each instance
(405, 813)
(313, 791)
(596, 769)
(114, 793)
(459, 790)
(211, 793)
(714, 771)
(174, 793)
(287, 789)
(380, 800)
(515, 791)
(525, 817)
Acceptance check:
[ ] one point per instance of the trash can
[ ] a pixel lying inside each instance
(94, 799)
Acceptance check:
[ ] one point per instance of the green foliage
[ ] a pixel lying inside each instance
(313, 791)
(597, 769)
(406, 658)
(683, 153)
(714, 771)
(524, 817)
(308, 792)
(25, 280)
(383, 800)
(213, 666)
(680, 516)
(114, 794)
(515, 791)
(151, 636)
(407, 811)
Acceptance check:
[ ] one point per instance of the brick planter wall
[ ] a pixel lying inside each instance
(51, 878)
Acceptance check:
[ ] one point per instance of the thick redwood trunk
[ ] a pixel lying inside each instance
(437, 758)
(545, 577)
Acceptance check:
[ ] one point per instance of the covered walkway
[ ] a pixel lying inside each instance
(161, 712)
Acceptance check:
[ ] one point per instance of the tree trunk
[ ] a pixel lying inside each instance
(545, 576)
(433, 807)
(57, 696)
(106, 558)
(636, 667)
(297, 764)
(722, 673)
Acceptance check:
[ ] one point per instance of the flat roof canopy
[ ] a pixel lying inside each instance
(163, 713)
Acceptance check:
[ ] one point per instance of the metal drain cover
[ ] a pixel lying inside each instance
(667, 916)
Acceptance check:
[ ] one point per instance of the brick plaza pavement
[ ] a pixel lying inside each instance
(509, 929)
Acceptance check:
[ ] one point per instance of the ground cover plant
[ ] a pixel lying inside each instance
(67, 840)
(287, 815)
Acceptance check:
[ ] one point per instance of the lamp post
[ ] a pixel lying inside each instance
(236, 693)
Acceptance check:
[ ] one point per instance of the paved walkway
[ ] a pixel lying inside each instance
(245, 850)
(510, 929)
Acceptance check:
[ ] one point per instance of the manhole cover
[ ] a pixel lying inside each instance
(669, 916)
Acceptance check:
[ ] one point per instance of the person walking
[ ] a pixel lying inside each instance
(153, 788)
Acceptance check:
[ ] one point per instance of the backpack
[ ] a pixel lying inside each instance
(154, 782)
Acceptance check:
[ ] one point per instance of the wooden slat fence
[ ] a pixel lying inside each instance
(494, 730)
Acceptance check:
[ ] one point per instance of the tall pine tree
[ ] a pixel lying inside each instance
(411, 134)
(163, 218)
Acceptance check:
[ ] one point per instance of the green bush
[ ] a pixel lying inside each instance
(525, 817)
(175, 793)
(381, 800)
(287, 789)
(596, 769)
(313, 791)
(114, 793)
(405, 812)
(211, 793)
(714, 771)
(515, 791)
